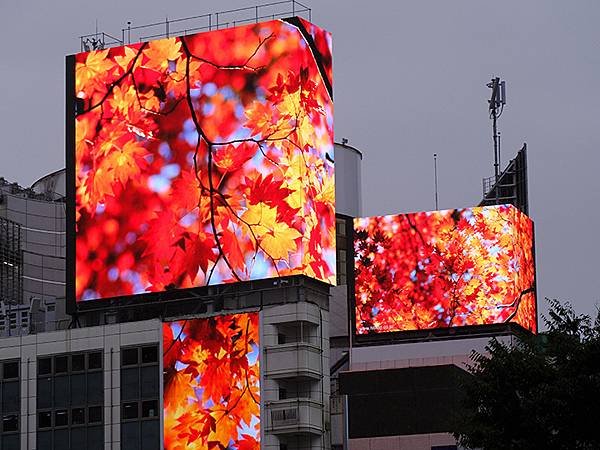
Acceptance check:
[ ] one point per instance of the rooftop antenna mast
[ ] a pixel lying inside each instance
(496, 106)
(435, 180)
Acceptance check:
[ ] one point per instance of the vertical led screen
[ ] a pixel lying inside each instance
(203, 159)
(212, 383)
(441, 269)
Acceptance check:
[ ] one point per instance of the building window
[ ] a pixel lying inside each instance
(70, 401)
(10, 405)
(341, 238)
(342, 267)
(282, 393)
(11, 272)
(140, 390)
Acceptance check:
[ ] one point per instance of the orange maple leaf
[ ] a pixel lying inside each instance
(96, 67)
(231, 157)
(126, 162)
(161, 51)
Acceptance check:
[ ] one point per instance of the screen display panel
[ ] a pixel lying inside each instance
(443, 269)
(212, 383)
(202, 159)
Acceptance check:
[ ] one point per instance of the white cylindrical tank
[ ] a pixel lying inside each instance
(348, 196)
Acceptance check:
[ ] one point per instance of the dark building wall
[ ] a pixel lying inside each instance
(11, 264)
(415, 400)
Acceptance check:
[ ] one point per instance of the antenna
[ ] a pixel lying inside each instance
(435, 180)
(496, 106)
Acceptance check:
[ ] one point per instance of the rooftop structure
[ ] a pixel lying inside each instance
(32, 254)
(194, 24)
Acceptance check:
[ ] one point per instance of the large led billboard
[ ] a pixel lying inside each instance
(212, 383)
(443, 269)
(202, 159)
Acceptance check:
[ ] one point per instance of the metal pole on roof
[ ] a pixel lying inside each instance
(435, 180)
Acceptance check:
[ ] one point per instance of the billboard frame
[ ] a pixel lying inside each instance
(440, 333)
(70, 114)
(72, 108)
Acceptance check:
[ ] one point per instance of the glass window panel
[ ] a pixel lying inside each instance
(10, 442)
(150, 435)
(61, 391)
(130, 435)
(342, 255)
(77, 363)
(61, 418)
(95, 414)
(95, 439)
(78, 416)
(44, 440)
(95, 387)
(95, 360)
(44, 366)
(45, 419)
(61, 364)
(44, 393)
(341, 227)
(10, 422)
(10, 396)
(78, 438)
(61, 439)
(149, 381)
(149, 354)
(78, 389)
(130, 384)
(130, 356)
(130, 410)
(11, 370)
(150, 408)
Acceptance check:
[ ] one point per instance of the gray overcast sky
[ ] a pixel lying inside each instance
(409, 80)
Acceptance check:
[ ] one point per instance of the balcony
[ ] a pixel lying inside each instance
(290, 416)
(291, 360)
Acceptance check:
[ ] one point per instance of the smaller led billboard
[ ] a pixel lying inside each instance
(212, 383)
(442, 269)
(202, 159)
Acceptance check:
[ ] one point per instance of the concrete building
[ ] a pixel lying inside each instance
(404, 396)
(348, 187)
(101, 387)
(401, 393)
(32, 253)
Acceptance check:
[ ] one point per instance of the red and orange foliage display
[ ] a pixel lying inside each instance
(449, 268)
(212, 383)
(204, 159)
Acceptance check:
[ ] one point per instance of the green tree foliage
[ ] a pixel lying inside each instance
(542, 392)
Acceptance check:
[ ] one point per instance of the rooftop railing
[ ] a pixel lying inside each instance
(196, 24)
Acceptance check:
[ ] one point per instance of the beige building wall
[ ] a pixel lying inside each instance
(108, 338)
